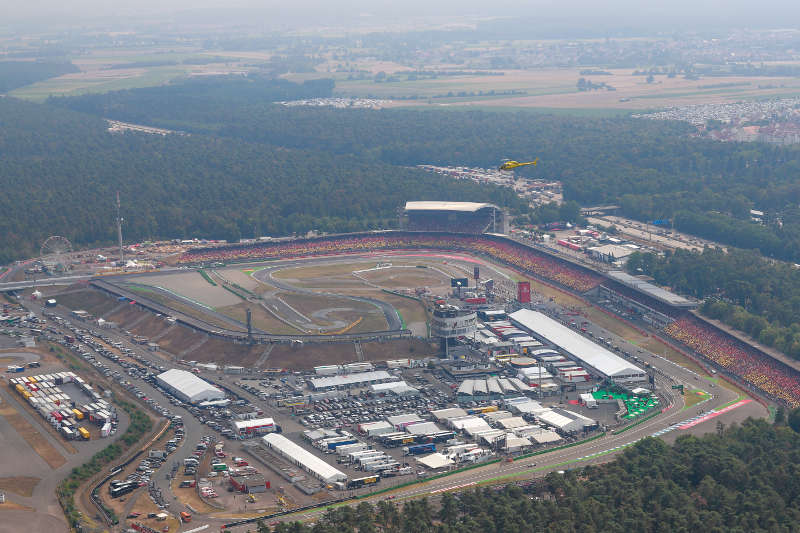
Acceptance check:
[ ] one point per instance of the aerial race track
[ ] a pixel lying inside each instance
(748, 365)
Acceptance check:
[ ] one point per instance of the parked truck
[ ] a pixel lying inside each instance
(419, 448)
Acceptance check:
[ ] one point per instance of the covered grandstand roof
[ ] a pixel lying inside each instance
(590, 353)
(650, 290)
(464, 207)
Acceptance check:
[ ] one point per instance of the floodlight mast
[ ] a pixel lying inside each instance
(119, 232)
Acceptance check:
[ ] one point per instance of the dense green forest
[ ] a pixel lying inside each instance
(752, 294)
(741, 479)
(60, 171)
(14, 74)
(653, 169)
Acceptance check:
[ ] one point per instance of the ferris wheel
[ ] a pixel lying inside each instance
(55, 251)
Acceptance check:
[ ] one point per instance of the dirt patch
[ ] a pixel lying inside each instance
(310, 355)
(11, 506)
(151, 326)
(36, 440)
(189, 496)
(179, 339)
(227, 353)
(127, 315)
(95, 302)
(20, 485)
(144, 506)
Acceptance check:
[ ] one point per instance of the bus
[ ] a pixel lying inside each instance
(362, 481)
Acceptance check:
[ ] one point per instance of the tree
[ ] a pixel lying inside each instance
(794, 420)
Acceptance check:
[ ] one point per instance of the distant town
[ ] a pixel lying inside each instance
(771, 121)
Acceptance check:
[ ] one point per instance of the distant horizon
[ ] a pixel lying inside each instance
(543, 16)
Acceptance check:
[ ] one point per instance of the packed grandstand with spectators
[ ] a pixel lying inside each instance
(498, 248)
(760, 370)
(749, 364)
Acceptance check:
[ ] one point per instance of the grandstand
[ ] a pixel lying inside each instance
(457, 217)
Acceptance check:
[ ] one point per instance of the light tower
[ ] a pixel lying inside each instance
(119, 232)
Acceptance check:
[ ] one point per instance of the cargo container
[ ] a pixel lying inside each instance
(362, 481)
(84, 433)
(419, 448)
(383, 465)
(78, 414)
(349, 448)
(333, 445)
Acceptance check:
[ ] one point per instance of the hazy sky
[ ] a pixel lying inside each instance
(622, 13)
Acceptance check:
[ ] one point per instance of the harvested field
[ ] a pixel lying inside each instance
(32, 436)
(20, 485)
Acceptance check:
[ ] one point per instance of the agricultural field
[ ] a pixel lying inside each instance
(548, 89)
(103, 70)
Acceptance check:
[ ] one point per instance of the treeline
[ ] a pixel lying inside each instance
(741, 479)
(60, 172)
(749, 293)
(15, 74)
(653, 169)
(140, 424)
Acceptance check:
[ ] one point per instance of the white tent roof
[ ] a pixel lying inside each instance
(545, 437)
(452, 412)
(254, 423)
(435, 461)
(592, 354)
(303, 457)
(350, 379)
(512, 422)
(194, 388)
(423, 428)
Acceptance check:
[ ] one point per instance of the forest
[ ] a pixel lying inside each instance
(752, 294)
(60, 171)
(654, 170)
(14, 74)
(742, 479)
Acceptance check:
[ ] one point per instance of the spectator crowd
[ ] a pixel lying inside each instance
(760, 370)
(508, 252)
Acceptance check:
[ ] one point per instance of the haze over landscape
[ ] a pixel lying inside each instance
(355, 266)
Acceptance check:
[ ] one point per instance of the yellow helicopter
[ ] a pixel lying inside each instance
(511, 165)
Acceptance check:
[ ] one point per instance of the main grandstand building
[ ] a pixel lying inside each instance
(458, 217)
